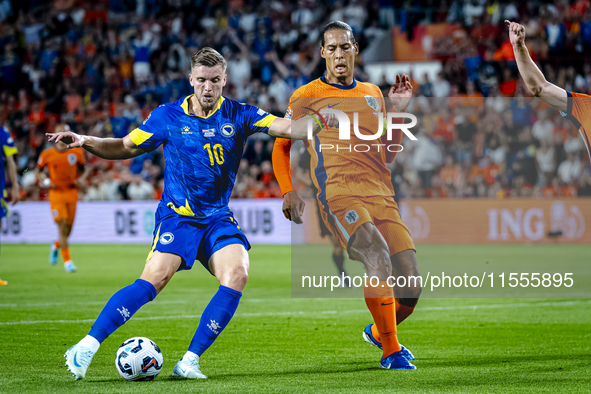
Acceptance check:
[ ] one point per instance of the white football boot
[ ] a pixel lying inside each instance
(69, 266)
(78, 359)
(188, 367)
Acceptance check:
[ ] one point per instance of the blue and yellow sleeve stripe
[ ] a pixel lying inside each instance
(9, 150)
(266, 121)
(139, 136)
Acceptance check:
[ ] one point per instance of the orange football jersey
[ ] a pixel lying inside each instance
(579, 113)
(341, 167)
(63, 170)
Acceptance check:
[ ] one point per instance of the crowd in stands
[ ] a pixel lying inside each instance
(102, 66)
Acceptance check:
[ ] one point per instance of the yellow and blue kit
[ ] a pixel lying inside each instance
(8, 149)
(202, 155)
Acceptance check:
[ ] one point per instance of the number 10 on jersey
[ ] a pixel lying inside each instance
(217, 151)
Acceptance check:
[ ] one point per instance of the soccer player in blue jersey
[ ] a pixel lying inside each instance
(203, 137)
(8, 151)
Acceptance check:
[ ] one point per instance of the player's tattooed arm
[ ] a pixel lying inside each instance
(298, 129)
(531, 74)
(105, 148)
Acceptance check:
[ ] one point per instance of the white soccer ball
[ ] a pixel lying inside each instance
(139, 359)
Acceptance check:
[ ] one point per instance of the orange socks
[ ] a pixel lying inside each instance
(402, 312)
(381, 303)
(66, 254)
(57, 244)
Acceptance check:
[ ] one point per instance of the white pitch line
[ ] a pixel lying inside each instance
(36, 304)
(302, 313)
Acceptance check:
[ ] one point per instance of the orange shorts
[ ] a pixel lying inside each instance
(344, 215)
(61, 209)
(63, 204)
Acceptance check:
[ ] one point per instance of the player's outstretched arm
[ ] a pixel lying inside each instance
(298, 129)
(531, 74)
(105, 148)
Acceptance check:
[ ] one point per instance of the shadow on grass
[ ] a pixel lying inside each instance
(479, 367)
(360, 367)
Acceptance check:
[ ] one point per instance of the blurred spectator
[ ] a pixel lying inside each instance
(427, 86)
(110, 187)
(93, 192)
(141, 48)
(427, 158)
(556, 33)
(441, 88)
(543, 127)
(570, 169)
(546, 162)
(139, 189)
(279, 89)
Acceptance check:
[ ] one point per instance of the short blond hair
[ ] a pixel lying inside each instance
(207, 57)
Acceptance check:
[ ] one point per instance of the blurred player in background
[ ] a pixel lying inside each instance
(66, 174)
(355, 192)
(576, 107)
(204, 135)
(8, 152)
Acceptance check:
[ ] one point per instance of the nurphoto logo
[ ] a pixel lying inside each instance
(345, 130)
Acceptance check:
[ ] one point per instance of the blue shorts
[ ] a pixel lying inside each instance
(195, 239)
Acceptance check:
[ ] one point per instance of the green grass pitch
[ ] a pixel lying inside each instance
(279, 344)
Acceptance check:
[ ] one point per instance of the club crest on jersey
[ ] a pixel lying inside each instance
(228, 130)
(372, 102)
(166, 238)
(208, 132)
(187, 130)
(72, 159)
(351, 216)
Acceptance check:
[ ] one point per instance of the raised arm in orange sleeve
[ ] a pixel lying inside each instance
(282, 165)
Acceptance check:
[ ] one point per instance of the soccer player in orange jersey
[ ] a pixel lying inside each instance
(576, 107)
(355, 192)
(66, 173)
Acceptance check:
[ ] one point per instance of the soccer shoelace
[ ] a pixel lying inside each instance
(84, 356)
(193, 362)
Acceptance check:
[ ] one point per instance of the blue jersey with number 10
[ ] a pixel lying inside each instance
(202, 153)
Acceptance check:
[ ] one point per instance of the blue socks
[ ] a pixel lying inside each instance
(121, 307)
(130, 299)
(214, 319)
